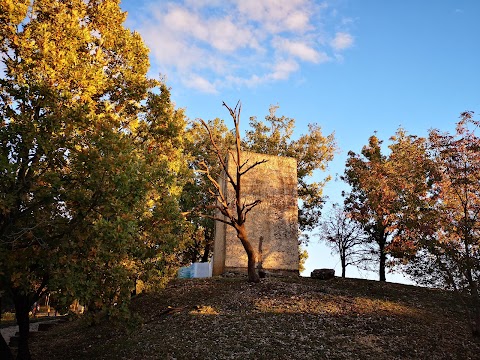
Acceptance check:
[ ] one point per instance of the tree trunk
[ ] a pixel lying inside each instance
(344, 262)
(383, 258)
(206, 253)
(252, 272)
(22, 308)
(5, 352)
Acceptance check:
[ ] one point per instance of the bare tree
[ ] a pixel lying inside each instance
(344, 236)
(234, 214)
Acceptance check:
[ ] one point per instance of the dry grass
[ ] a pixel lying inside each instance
(228, 318)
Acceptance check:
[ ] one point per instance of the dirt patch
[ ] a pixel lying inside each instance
(279, 318)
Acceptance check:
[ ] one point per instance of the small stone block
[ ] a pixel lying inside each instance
(323, 274)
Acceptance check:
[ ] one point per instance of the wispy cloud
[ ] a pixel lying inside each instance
(197, 82)
(300, 50)
(342, 41)
(211, 44)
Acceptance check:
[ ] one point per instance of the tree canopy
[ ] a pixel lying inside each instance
(420, 204)
(446, 239)
(90, 154)
(386, 191)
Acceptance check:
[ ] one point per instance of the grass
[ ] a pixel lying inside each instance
(280, 318)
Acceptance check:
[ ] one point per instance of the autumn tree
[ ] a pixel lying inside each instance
(371, 198)
(89, 161)
(447, 238)
(233, 211)
(344, 236)
(387, 191)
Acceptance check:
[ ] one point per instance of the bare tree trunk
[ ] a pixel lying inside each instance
(344, 263)
(383, 258)
(252, 272)
(235, 218)
(22, 308)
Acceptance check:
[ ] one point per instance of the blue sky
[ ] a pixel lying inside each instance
(352, 66)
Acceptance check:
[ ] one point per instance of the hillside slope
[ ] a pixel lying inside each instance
(280, 318)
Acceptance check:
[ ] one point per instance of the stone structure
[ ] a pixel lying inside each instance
(323, 274)
(272, 225)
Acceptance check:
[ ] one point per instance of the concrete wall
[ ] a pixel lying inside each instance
(275, 219)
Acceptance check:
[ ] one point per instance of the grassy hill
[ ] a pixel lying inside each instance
(280, 318)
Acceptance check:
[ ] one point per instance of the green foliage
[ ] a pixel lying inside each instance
(312, 151)
(91, 156)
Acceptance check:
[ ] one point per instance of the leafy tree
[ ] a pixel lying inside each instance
(386, 191)
(233, 214)
(371, 197)
(163, 231)
(448, 231)
(344, 236)
(88, 167)
(313, 152)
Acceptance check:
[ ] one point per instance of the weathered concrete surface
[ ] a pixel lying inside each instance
(275, 219)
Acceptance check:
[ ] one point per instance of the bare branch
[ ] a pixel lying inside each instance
(250, 206)
(252, 166)
(219, 154)
(216, 218)
(230, 152)
(233, 216)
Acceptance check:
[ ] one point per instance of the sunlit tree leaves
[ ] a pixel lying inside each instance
(90, 158)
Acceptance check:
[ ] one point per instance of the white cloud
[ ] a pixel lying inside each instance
(210, 44)
(197, 82)
(227, 36)
(278, 15)
(283, 69)
(342, 41)
(300, 50)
